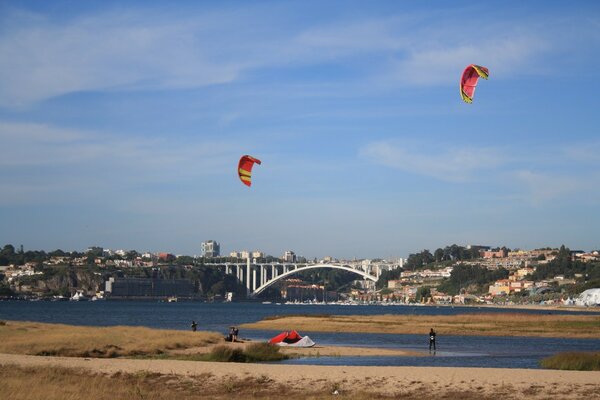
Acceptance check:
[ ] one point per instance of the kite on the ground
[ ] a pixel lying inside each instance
(469, 79)
(245, 169)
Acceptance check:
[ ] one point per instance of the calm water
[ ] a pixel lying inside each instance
(464, 351)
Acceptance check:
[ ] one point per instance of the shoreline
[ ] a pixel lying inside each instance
(365, 381)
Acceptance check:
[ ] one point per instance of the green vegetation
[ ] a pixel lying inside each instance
(564, 265)
(255, 352)
(448, 253)
(476, 278)
(574, 361)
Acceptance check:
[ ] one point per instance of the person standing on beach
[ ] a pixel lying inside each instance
(431, 339)
(194, 325)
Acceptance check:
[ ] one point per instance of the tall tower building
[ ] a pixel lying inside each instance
(210, 248)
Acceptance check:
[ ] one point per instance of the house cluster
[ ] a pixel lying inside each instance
(13, 272)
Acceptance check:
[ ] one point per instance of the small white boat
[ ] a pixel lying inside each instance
(79, 296)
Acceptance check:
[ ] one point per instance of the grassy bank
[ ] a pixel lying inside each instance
(83, 341)
(255, 352)
(505, 324)
(574, 361)
(56, 383)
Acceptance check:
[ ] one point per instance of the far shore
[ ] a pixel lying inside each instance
(480, 324)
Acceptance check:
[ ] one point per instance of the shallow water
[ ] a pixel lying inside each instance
(453, 351)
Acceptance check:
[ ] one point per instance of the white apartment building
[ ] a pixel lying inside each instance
(210, 248)
(289, 256)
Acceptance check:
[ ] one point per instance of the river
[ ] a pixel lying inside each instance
(453, 350)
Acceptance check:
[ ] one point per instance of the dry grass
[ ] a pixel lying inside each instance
(574, 361)
(254, 352)
(55, 383)
(505, 324)
(82, 341)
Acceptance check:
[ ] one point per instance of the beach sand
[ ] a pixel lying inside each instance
(315, 351)
(396, 382)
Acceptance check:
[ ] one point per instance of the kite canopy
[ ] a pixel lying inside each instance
(292, 339)
(245, 169)
(469, 79)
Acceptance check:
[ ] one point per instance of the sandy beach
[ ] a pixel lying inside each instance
(356, 381)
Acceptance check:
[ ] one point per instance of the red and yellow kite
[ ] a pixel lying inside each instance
(469, 79)
(245, 168)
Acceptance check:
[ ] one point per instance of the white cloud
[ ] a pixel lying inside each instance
(432, 66)
(115, 50)
(133, 49)
(543, 187)
(31, 144)
(451, 164)
(42, 161)
(584, 152)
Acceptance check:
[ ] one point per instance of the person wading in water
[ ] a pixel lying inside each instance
(432, 340)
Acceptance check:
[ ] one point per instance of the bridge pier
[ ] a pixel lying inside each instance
(248, 275)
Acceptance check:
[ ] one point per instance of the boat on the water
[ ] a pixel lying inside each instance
(79, 296)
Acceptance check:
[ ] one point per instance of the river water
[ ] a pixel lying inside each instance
(453, 350)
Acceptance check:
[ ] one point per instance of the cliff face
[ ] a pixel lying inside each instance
(62, 281)
(67, 280)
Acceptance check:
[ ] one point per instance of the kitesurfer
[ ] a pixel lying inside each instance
(431, 340)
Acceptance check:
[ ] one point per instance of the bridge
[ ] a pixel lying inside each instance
(258, 277)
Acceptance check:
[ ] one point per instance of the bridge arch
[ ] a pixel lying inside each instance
(315, 266)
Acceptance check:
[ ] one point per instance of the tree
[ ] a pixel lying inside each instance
(438, 255)
(423, 292)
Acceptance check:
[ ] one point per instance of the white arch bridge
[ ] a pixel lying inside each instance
(258, 277)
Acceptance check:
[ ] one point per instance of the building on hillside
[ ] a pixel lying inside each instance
(500, 287)
(210, 248)
(500, 253)
(523, 272)
(395, 283)
(166, 257)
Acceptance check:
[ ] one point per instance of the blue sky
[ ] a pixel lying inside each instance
(121, 125)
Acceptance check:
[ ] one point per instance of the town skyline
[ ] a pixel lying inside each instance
(258, 253)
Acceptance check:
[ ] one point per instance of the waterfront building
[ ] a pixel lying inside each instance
(210, 248)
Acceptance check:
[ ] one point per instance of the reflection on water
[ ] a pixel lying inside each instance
(453, 351)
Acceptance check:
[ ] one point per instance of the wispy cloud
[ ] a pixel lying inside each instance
(544, 187)
(133, 49)
(584, 153)
(452, 164)
(36, 154)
